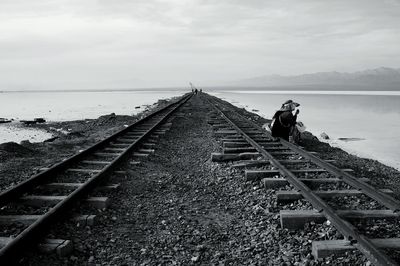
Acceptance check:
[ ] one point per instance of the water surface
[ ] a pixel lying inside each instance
(66, 106)
(372, 117)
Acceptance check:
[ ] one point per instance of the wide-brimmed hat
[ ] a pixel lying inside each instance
(291, 102)
(289, 105)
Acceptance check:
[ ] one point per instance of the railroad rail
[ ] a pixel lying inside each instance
(246, 142)
(83, 172)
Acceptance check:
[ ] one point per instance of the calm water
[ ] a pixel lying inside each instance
(372, 116)
(65, 106)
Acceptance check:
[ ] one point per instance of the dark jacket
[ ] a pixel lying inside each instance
(284, 122)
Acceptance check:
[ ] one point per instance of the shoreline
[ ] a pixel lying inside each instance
(349, 119)
(178, 205)
(71, 136)
(68, 128)
(179, 189)
(19, 161)
(381, 175)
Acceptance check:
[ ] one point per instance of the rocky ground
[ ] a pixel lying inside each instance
(179, 208)
(19, 161)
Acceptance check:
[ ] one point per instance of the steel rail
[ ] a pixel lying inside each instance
(361, 242)
(367, 189)
(384, 199)
(28, 235)
(39, 178)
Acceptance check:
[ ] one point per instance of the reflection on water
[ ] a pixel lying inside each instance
(373, 119)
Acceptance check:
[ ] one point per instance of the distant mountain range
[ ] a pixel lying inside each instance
(379, 78)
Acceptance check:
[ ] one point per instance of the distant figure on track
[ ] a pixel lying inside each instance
(195, 91)
(283, 121)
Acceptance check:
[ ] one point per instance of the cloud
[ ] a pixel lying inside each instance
(100, 43)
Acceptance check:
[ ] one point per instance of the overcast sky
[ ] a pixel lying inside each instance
(86, 44)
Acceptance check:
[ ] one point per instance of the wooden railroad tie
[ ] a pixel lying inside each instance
(114, 149)
(221, 157)
(59, 246)
(322, 249)
(53, 186)
(273, 183)
(250, 163)
(238, 144)
(296, 219)
(96, 162)
(287, 196)
(259, 174)
(106, 154)
(124, 139)
(258, 140)
(83, 220)
(252, 149)
(39, 201)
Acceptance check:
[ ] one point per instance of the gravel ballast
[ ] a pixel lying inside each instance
(179, 208)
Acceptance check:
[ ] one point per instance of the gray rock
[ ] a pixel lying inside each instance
(324, 135)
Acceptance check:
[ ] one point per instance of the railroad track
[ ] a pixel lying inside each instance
(282, 164)
(32, 206)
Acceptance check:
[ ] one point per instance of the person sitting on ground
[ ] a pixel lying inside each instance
(283, 121)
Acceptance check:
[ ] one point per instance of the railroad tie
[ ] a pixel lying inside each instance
(273, 183)
(225, 132)
(125, 139)
(259, 174)
(221, 157)
(146, 151)
(140, 154)
(221, 126)
(76, 170)
(250, 163)
(106, 154)
(59, 246)
(236, 140)
(241, 144)
(322, 249)
(148, 145)
(96, 162)
(39, 201)
(26, 219)
(297, 219)
(53, 186)
(239, 150)
(114, 149)
(286, 196)
(22, 219)
(85, 220)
